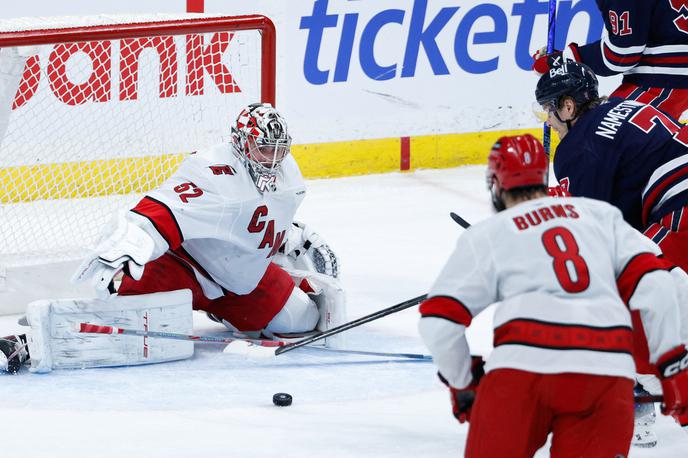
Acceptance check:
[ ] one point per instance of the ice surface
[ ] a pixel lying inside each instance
(393, 234)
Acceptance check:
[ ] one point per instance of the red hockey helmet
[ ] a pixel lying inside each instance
(515, 162)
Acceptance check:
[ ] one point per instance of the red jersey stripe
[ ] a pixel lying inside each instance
(447, 308)
(634, 271)
(629, 60)
(617, 339)
(163, 220)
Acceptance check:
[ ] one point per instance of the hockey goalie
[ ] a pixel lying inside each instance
(218, 236)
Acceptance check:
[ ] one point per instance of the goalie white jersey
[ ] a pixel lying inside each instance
(211, 215)
(566, 270)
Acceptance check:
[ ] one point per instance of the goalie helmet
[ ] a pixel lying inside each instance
(515, 162)
(570, 79)
(261, 140)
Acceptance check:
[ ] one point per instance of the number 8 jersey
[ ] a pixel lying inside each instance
(565, 271)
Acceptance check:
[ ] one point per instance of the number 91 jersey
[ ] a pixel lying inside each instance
(564, 270)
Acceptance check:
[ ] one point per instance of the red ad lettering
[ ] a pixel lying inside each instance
(29, 82)
(130, 50)
(209, 58)
(96, 84)
(96, 88)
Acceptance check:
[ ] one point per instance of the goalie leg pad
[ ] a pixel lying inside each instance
(54, 342)
(299, 314)
(328, 295)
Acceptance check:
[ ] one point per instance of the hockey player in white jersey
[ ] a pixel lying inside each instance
(566, 271)
(214, 227)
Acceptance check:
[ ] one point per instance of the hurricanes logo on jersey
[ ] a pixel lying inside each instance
(271, 239)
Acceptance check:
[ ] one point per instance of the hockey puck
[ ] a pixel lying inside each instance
(281, 399)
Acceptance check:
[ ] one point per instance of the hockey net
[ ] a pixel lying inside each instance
(95, 111)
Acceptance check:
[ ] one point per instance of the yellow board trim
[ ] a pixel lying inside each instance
(73, 180)
(362, 157)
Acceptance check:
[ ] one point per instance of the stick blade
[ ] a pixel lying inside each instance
(249, 350)
(460, 221)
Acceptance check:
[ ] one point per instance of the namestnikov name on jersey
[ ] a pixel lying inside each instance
(629, 154)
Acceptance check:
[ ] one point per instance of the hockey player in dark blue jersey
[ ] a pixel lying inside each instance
(624, 152)
(620, 151)
(646, 41)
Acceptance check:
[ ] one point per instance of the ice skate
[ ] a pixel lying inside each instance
(644, 422)
(13, 353)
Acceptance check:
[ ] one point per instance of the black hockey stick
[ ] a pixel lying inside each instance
(352, 324)
(98, 329)
(460, 221)
(648, 398)
(551, 35)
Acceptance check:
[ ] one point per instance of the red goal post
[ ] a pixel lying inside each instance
(95, 111)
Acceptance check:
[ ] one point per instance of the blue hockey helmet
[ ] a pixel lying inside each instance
(571, 79)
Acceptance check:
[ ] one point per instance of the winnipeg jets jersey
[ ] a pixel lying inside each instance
(646, 40)
(565, 271)
(630, 155)
(210, 215)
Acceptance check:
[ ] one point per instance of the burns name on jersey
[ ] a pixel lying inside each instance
(535, 217)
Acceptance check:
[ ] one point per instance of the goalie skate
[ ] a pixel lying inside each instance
(13, 353)
(644, 422)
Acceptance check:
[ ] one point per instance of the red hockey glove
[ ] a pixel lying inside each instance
(462, 399)
(543, 61)
(673, 371)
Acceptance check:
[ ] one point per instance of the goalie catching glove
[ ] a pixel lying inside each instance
(127, 248)
(308, 251)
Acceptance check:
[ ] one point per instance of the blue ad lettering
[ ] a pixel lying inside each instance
(368, 64)
(427, 37)
(497, 35)
(316, 24)
(424, 34)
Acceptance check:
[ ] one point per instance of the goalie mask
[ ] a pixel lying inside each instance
(261, 140)
(515, 162)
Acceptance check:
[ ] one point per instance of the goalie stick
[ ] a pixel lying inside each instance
(98, 329)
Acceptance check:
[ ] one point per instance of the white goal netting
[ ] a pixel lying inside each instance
(94, 112)
(90, 123)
